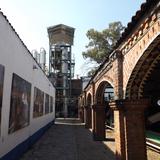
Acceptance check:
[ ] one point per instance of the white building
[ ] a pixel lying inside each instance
(26, 95)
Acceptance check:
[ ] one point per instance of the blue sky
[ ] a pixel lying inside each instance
(30, 18)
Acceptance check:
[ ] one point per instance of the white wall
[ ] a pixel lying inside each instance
(15, 57)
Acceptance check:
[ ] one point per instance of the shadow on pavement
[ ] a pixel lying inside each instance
(86, 147)
(68, 139)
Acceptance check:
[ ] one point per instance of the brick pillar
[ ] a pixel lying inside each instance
(81, 114)
(98, 122)
(131, 119)
(90, 117)
(119, 129)
(135, 129)
(86, 116)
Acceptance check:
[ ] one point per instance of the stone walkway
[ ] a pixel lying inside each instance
(68, 140)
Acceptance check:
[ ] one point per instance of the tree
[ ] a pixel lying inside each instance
(101, 43)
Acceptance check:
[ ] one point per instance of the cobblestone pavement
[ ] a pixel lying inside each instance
(68, 140)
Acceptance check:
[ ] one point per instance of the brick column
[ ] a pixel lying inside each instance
(90, 117)
(88, 120)
(98, 122)
(119, 129)
(135, 129)
(132, 126)
(81, 114)
(86, 116)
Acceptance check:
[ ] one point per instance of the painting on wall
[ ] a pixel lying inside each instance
(47, 104)
(20, 104)
(51, 104)
(38, 102)
(1, 87)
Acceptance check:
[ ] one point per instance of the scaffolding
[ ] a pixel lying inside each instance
(61, 65)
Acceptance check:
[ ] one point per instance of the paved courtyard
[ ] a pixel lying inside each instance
(69, 140)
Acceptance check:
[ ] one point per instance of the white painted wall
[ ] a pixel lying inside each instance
(17, 59)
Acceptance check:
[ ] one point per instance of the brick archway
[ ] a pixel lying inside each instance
(99, 110)
(99, 93)
(142, 70)
(131, 110)
(130, 68)
(89, 99)
(144, 83)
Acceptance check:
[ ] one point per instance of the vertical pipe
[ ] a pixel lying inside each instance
(70, 63)
(49, 58)
(64, 72)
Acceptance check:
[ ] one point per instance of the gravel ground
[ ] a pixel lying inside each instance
(69, 140)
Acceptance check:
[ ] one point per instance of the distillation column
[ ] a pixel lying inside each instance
(61, 65)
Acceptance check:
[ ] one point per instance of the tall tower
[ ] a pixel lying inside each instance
(61, 64)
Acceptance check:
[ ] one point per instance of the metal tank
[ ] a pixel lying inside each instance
(35, 54)
(42, 58)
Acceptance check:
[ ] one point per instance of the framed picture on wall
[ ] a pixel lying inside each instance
(20, 104)
(46, 104)
(38, 102)
(51, 104)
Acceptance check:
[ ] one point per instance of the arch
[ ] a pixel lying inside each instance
(107, 79)
(89, 99)
(142, 70)
(151, 90)
(102, 114)
(100, 91)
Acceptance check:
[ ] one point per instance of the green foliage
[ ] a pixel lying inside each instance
(101, 43)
